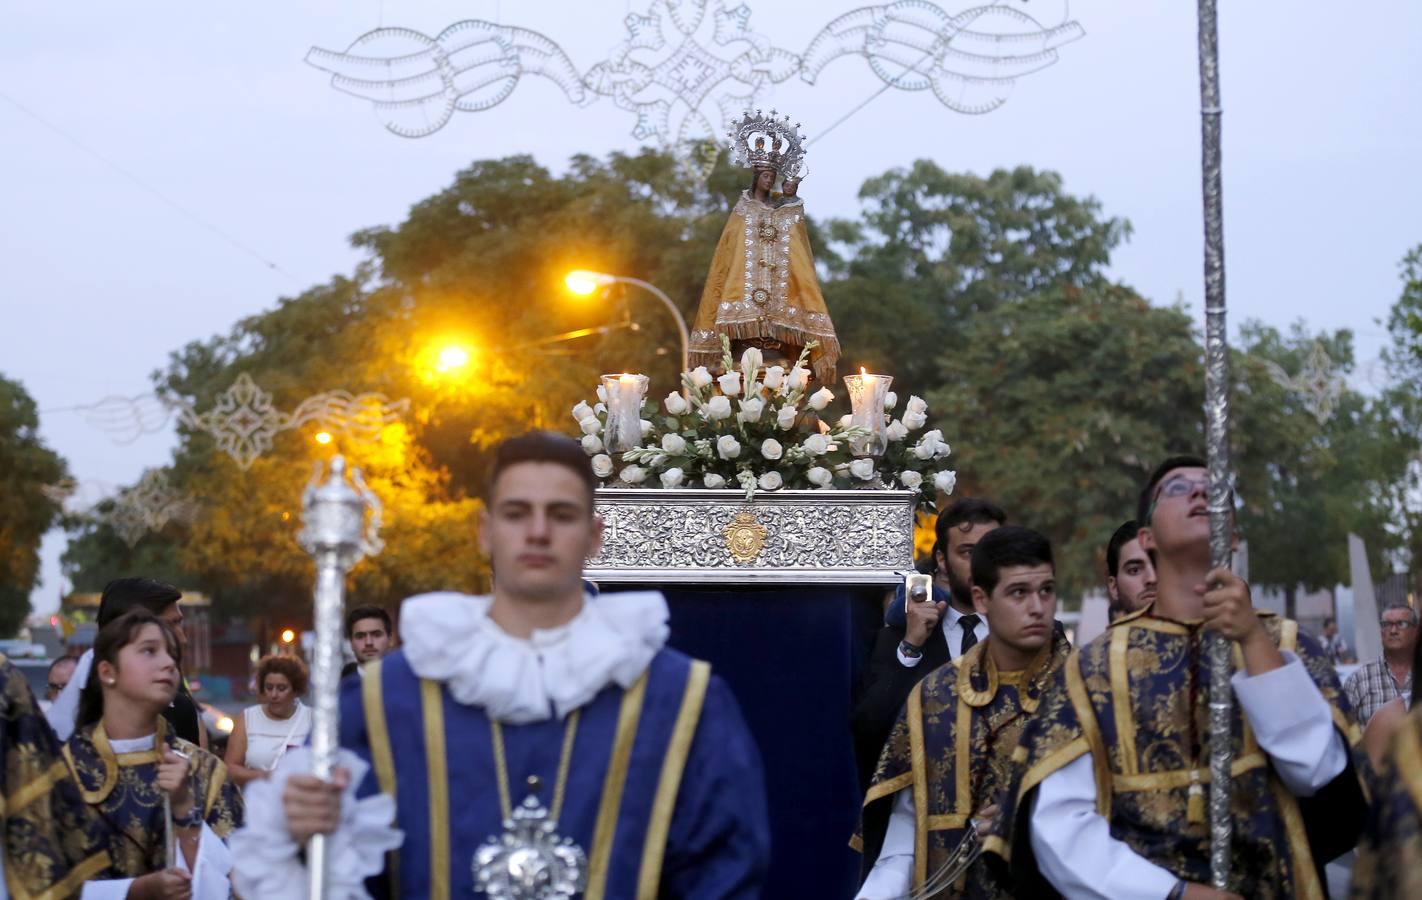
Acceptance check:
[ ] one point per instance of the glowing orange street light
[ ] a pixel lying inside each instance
(287, 636)
(323, 437)
(584, 283)
(451, 358)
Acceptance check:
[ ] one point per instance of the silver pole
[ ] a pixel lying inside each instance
(336, 537)
(1217, 441)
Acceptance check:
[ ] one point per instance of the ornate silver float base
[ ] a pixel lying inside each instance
(783, 537)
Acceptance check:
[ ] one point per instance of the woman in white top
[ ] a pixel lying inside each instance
(264, 733)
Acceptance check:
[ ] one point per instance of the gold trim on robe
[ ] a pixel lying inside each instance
(669, 783)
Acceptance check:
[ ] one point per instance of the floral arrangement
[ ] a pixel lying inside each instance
(760, 428)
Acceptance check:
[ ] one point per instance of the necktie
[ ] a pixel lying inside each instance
(970, 637)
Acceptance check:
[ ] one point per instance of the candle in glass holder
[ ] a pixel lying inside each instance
(624, 411)
(867, 393)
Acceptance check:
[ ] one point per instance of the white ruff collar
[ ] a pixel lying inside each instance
(449, 637)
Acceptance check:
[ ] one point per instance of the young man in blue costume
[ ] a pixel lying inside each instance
(538, 704)
(950, 752)
(1110, 799)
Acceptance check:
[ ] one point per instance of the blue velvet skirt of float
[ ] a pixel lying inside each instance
(663, 789)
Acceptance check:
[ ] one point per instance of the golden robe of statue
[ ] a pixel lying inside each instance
(761, 289)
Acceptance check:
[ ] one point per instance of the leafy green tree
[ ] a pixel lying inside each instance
(27, 466)
(1403, 399)
(1307, 480)
(1059, 404)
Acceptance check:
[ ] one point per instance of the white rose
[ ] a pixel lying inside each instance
(770, 448)
(634, 474)
(713, 481)
(916, 404)
(750, 363)
(863, 469)
(942, 450)
(592, 444)
(581, 411)
(673, 444)
(590, 425)
(897, 431)
(774, 377)
(820, 475)
(676, 404)
(927, 445)
(816, 444)
(798, 379)
(771, 481)
(751, 409)
(599, 409)
(646, 428)
(910, 479)
(602, 465)
(700, 377)
(846, 420)
(821, 398)
(727, 447)
(945, 481)
(730, 383)
(891, 400)
(718, 408)
(602, 393)
(914, 421)
(786, 417)
(673, 478)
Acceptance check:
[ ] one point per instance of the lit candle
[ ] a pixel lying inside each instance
(624, 411)
(867, 393)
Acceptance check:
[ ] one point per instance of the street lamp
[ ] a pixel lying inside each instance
(582, 282)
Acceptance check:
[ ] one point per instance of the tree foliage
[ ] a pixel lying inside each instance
(27, 466)
(1058, 388)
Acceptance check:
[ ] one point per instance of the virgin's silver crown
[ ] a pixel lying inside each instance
(760, 140)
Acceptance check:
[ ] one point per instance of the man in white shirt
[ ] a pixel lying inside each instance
(935, 633)
(1110, 801)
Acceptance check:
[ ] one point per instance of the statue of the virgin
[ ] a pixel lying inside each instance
(761, 290)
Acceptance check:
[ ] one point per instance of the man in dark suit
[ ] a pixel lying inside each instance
(934, 631)
(371, 634)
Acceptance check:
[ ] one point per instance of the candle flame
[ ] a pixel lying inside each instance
(863, 371)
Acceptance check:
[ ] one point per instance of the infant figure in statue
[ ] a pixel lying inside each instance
(761, 290)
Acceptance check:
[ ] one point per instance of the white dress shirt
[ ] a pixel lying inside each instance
(952, 633)
(1293, 724)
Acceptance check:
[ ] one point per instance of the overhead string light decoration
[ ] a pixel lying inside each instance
(147, 506)
(1317, 384)
(243, 420)
(689, 67)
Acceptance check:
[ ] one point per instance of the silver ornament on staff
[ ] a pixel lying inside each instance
(337, 535)
(1217, 441)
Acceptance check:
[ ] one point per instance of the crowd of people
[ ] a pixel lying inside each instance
(547, 723)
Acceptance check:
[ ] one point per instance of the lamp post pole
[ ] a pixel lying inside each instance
(667, 302)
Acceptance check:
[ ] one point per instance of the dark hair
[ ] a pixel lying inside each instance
(367, 612)
(1010, 545)
(968, 510)
(1327, 620)
(293, 668)
(1146, 503)
(1123, 536)
(112, 638)
(543, 447)
(62, 659)
(124, 594)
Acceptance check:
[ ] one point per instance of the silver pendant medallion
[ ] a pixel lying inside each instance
(529, 861)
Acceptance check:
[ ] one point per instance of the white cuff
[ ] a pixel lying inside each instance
(1074, 846)
(908, 662)
(892, 875)
(1293, 724)
(113, 889)
(212, 868)
(267, 858)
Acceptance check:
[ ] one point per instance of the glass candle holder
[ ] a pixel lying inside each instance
(867, 393)
(624, 411)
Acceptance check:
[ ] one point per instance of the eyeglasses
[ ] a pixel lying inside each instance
(1397, 626)
(57, 688)
(1182, 487)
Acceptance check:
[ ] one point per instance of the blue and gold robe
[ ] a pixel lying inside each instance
(1127, 700)
(122, 789)
(1390, 854)
(663, 792)
(52, 841)
(953, 745)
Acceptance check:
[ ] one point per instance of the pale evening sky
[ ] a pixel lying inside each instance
(215, 110)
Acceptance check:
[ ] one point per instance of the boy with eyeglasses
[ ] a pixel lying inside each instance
(1110, 799)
